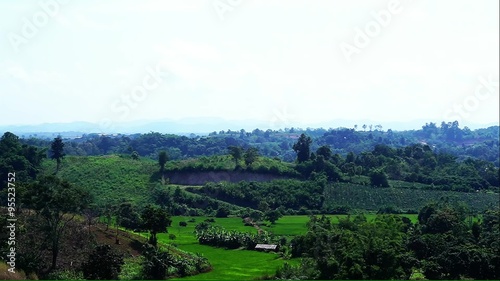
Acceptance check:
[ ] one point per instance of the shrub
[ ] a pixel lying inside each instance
(131, 269)
(103, 263)
(155, 263)
(222, 212)
(378, 178)
(65, 275)
(183, 223)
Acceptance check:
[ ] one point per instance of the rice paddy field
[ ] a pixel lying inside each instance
(238, 264)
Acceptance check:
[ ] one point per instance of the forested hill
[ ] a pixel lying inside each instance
(448, 138)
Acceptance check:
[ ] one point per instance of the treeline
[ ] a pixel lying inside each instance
(444, 244)
(447, 138)
(415, 163)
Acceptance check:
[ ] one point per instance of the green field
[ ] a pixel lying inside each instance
(239, 264)
(227, 264)
(296, 225)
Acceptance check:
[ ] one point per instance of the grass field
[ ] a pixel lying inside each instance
(238, 264)
(227, 264)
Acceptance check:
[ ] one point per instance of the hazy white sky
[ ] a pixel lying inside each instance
(295, 62)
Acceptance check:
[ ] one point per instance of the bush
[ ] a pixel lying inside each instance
(65, 275)
(155, 263)
(378, 178)
(172, 236)
(389, 210)
(103, 263)
(222, 212)
(131, 269)
(183, 223)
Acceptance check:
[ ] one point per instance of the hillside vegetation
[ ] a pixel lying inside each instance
(110, 179)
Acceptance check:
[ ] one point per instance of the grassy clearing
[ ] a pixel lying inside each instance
(239, 264)
(227, 264)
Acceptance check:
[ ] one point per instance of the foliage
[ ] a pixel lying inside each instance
(21, 159)
(108, 178)
(57, 151)
(272, 216)
(103, 264)
(292, 194)
(134, 155)
(403, 196)
(57, 201)
(356, 249)
(66, 275)
(480, 144)
(162, 262)
(132, 268)
(236, 152)
(441, 245)
(251, 155)
(156, 263)
(128, 216)
(218, 236)
(155, 220)
(222, 212)
(162, 160)
(446, 246)
(302, 148)
(378, 178)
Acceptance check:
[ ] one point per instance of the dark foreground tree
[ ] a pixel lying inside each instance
(251, 155)
(302, 148)
(379, 178)
(162, 160)
(272, 216)
(155, 220)
(324, 151)
(236, 152)
(57, 202)
(57, 150)
(222, 212)
(103, 264)
(156, 263)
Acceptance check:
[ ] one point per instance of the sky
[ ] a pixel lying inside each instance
(293, 62)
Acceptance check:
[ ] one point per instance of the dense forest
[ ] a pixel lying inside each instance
(442, 245)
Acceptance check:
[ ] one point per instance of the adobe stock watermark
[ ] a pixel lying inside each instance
(485, 89)
(362, 37)
(222, 7)
(31, 26)
(281, 118)
(126, 103)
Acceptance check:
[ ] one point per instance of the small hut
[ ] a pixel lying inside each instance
(266, 247)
